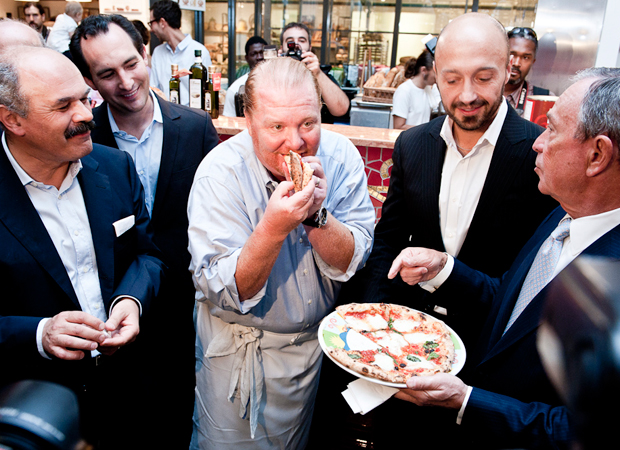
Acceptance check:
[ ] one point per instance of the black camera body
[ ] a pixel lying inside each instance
(293, 51)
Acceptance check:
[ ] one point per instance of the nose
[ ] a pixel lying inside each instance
(468, 94)
(294, 141)
(539, 143)
(125, 80)
(516, 61)
(83, 112)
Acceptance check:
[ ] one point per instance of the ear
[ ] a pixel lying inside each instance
(248, 123)
(11, 121)
(144, 53)
(601, 155)
(90, 83)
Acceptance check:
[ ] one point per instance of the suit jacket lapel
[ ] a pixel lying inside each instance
(98, 199)
(102, 134)
(21, 218)
(506, 156)
(168, 154)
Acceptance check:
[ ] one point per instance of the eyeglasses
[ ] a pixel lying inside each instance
(150, 22)
(522, 31)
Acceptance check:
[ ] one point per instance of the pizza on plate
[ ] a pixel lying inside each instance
(406, 342)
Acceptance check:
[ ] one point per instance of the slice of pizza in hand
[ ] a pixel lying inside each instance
(301, 172)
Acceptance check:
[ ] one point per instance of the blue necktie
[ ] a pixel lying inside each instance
(542, 269)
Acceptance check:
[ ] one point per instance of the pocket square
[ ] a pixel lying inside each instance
(121, 226)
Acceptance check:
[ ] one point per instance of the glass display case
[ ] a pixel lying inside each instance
(343, 32)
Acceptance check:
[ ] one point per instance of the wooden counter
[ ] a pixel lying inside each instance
(374, 144)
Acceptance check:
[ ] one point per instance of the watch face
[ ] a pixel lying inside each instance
(322, 217)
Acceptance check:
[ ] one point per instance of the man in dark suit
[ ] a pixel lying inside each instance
(461, 181)
(167, 143)
(505, 399)
(78, 265)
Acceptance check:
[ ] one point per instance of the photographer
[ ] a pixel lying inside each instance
(335, 101)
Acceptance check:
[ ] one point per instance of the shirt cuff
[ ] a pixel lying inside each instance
(435, 283)
(120, 297)
(459, 417)
(40, 338)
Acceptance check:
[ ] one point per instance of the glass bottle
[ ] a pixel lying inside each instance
(212, 95)
(174, 84)
(197, 82)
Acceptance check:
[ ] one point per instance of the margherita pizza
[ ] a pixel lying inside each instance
(408, 342)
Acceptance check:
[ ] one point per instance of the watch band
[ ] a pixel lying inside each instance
(318, 219)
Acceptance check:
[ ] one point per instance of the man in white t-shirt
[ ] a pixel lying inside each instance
(253, 55)
(64, 26)
(414, 99)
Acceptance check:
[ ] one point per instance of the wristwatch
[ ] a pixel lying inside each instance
(318, 219)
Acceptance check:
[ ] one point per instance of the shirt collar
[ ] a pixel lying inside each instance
(181, 45)
(490, 136)
(514, 97)
(24, 178)
(157, 117)
(584, 231)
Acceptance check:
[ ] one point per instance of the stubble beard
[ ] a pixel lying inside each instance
(477, 122)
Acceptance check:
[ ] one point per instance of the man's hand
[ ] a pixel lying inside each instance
(444, 390)
(312, 63)
(70, 334)
(123, 326)
(416, 264)
(319, 181)
(286, 210)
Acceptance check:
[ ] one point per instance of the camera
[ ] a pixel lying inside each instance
(293, 51)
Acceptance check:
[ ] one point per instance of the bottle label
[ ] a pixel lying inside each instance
(208, 101)
(174, 97)
(217, 81)
(195, 94)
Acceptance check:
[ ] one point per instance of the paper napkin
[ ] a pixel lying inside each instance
(363, 396)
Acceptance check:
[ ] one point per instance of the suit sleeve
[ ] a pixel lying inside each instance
(211, 138)
(144, 275)
(505, 421)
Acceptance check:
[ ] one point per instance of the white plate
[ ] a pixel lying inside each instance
(333, 333)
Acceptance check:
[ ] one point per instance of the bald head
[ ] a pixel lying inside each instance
(13, 33)
(474, 31)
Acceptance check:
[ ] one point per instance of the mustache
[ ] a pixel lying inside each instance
(475, 104)
(80, 128)
(514, 69)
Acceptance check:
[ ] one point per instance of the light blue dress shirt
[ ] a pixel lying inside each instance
(183, 55)
(145, 151)
(228, 198)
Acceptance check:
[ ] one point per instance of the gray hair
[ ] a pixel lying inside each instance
(599, 113)
(11, 95)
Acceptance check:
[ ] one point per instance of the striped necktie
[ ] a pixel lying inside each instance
(542, 268)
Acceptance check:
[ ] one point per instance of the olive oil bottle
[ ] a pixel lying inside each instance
(197, 82)
(212, 96)
(174, 85)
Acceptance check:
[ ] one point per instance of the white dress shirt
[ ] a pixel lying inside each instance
(145, 151)
(183, 55)
(63, 214)
(462, 180)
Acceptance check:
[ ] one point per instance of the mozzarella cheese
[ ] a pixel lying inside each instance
(420, 338)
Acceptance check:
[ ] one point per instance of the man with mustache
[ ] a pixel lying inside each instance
(78, 265)
(460, 182)
(523, 47)
(35, 16)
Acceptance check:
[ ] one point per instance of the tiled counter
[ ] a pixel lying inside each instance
(374, 144)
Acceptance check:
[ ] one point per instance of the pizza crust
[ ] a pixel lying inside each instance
(301, 173)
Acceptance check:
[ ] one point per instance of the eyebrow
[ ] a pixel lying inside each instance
(109, 69)
(68, 99)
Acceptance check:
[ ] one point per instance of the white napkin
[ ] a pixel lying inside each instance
(363, 396)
